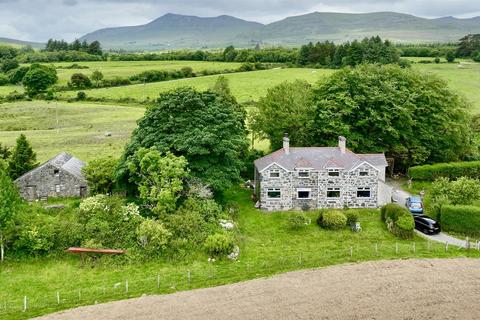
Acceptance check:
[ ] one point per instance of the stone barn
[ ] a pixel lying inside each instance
(60, 176)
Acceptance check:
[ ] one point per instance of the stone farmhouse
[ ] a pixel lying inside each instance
(60, 176)
(320, 177)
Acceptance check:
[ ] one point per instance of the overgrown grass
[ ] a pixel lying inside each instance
(80, 130)
(268, 246)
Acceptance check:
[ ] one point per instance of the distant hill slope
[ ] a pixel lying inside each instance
(173, 31)
(20, 43)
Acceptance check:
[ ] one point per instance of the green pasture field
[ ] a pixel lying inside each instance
(125, 69)
(245, 86)
(462, 77)
(81, 127)
(4, 90)
(267, 246)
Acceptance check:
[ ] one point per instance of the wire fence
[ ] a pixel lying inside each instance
(249, 266)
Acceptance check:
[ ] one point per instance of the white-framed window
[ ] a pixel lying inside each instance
(333, 192)
(303, 173)
(304, 193)
(364, 192)
(274, 193)
(333, 172)
(57, 188)
(275, 174)
(363, 173)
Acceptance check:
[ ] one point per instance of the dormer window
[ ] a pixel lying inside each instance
(304, 174)
(333, 173)
(275, 174)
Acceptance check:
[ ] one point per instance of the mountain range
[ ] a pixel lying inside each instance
(174, 31)
(20, 43)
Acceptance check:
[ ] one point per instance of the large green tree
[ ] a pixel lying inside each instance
(22, 159)
(160, 178)
(9, 205)
(39, 78)
(287, 108)
(100, 175)
(204, 127)
(413, 117)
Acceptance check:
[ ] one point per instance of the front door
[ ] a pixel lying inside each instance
(31, 193)
(83, 192)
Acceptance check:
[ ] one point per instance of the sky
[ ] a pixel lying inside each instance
(39, 20)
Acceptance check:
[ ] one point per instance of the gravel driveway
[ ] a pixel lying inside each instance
(398, 289)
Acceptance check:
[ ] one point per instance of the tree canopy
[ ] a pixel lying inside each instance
(22, 159)
(39, 78)
(287, 108)
(204, 127)
(411, 116)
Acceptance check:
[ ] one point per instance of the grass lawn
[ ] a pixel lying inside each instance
(4, 90)
(81, 127)
(245, 86)
(267, 247)
(125, 69)
(464, 79)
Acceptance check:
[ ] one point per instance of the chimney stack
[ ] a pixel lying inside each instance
(286, 144)
(342, 144)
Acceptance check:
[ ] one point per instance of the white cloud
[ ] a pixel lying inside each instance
(38, 20)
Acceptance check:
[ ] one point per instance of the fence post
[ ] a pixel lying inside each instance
(351, 252)
(376, 248)
(446, 246)
(79, 294)
(24, 303)
(428, 245)
(158, 281)
(189, 276)
(396, 247)
(58, 297)
(414, 247)
(300, 258)
(467, 244)
(126, 286)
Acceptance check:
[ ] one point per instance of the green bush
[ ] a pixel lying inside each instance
(297, 220)
(152, 235)
(462, 219)
(451, 170)
(4, 79)
(332, 219)
(352, 216)
(219, 244)
(398, 219)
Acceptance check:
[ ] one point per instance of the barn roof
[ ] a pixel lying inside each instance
(319, 158)
(62, 161)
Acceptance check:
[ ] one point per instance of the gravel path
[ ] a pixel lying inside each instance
(397, 289)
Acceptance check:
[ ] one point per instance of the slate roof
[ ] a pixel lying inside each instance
(319, 158)
(63, 161)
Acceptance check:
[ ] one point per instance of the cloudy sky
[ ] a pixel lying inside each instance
(38, 20)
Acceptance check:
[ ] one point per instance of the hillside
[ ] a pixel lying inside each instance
(20, 43)
(173, 31)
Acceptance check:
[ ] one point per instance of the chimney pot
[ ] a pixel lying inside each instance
(342, 144)
(286, 144)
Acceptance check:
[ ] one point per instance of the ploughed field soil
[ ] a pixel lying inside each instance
(396, 289)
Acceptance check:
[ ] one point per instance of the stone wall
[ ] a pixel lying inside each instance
(46, 182)
(318, 182)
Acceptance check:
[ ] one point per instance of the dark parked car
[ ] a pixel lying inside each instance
(426, 224)
(415, 205)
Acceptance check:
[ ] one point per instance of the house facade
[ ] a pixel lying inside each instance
(60, 176)
(320, 177)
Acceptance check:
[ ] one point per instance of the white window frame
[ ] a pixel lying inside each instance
(274, 171)
(334, 189)
(309, 190)
(274, 190)
(303, 171)
(363, 175)
(365, 189)
(57, 188)
(334, 170)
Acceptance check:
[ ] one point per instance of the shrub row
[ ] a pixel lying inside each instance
(462, 219)
(452, 170)
(398, 220)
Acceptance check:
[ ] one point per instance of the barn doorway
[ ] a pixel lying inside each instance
(31, 193)
(83, 192)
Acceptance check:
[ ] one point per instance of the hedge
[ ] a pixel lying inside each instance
(451, 170)
(398, 219)
(333, 219)
(462, 219)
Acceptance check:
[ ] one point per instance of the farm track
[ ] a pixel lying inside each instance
(397, 289)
